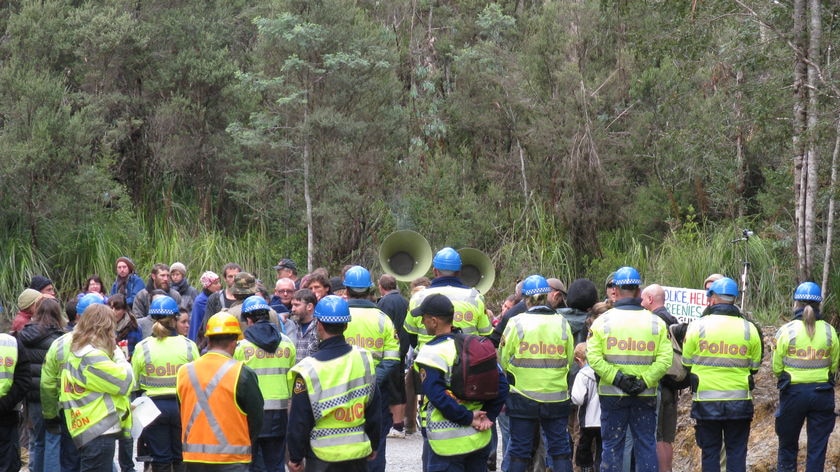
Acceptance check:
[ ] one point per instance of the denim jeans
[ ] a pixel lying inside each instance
(69, 457)
(638, 414)
(37, 437)
(98, 454)
(503, 420)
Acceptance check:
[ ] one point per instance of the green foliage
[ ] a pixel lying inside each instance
(566, 138)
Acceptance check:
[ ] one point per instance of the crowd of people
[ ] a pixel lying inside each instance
(315, 372)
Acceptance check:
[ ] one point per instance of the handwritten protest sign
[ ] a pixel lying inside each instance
(686, 304)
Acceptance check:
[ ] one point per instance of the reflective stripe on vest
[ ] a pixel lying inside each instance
(799, 363)
(202, 405)
(722, 395)
(165, 382)
(339, 392)
(89, 413)
(271, 369)
(447, 438)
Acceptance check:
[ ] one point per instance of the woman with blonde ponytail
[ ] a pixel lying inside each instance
(156, 361)
(805, 361)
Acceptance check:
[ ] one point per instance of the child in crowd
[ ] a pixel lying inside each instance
(585, 395)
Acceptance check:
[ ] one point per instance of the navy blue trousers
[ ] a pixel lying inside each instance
(711, 435)
(814, 402)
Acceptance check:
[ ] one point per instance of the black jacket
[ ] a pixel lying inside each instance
(34, 341)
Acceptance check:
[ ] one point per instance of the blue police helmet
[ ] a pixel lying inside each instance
(357, 277)
(332, 309)
(254, 303)
(162, 307)
(808, 292)
(88, 300)
(535, 285)
(627, 276)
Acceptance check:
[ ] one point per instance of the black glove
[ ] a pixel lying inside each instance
(53, 425)
(638, 387)
(625, 382)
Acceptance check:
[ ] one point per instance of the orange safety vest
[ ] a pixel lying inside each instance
(215, 429)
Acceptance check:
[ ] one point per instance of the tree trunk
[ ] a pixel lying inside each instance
(799, 120)
(810, 176)
(829, 228)
(310, 233)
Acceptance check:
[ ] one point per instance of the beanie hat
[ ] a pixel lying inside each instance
(127, 261)
(28, 298)
(180, 267)
(38, 282)
(582, 294)
(208, 278)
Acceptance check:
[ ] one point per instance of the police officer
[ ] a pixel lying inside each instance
(457, 432)
(470, 316)
(371, 329)
(270, 354)
(14, 382)
(155, 362)
(629, 349)
(54, 363)
(334, 418)
(723, 351)
(535, 351)
(805, 361)
(221, 403)
(95, 383)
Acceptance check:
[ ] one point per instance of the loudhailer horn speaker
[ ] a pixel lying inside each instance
(406, 255)
(477, 269)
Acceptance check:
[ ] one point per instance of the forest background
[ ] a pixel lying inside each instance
(565, 138)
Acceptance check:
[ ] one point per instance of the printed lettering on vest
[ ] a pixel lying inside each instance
(77, 421)
(541, 348)
(349, 414)
(723, 348)
(162, 370)
(8, 361)
(366, 342)
(251, 351)
(630, 344)
(809, 353)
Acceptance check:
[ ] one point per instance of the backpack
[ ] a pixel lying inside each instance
(677, 375)
(475, 375)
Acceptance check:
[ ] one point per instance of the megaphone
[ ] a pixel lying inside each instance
(406, 255)
(477, 269)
